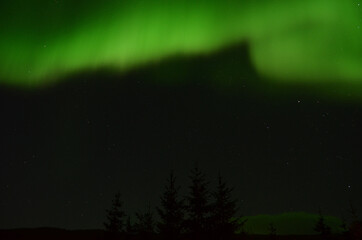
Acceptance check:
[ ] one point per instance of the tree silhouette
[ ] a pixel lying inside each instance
(198, 205)
(171, 211)
(355, 229)
(321, 227)
(223, 220)
(344, 227)
(115, 215)
(272, 231)
(129, 226)
(353, 211)
(241, 229)
(145, 225)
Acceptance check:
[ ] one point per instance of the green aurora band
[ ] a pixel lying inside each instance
(291, 223)
(42, 41)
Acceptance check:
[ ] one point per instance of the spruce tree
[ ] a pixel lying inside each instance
(129, 226)
(223, 220)
(115, 215)
(272, 232)
(171, 211)
(198, 208)
(321, 227)
(355, 228)
(145, 225)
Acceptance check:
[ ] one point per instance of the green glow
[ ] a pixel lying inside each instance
(308, 40)
(293, 223)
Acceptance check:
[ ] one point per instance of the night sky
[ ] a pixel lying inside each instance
(248, 101)
(299, 41)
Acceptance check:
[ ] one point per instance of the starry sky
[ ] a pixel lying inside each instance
(93, 102)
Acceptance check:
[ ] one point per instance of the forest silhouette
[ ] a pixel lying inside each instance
(200, 214)
(203, 214)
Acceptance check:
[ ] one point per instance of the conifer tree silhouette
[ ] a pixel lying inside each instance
(171, 211)
(353, 211)
(344, 227)
(145, 225)
(115, 215)
(272, 232)
(355, 229)
(223, 220)
(321, 227)
(198, 208)
(129, 226)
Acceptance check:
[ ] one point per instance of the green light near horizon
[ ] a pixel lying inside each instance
(289, 223)
(312, 41)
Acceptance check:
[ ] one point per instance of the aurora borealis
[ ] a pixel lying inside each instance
(311, 40)
(293, 223)
(98, 97)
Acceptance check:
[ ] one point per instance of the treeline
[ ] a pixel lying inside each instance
(201, 214)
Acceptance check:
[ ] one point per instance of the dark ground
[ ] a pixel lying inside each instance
(60, 234)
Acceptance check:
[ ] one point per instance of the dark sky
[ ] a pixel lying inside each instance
(66, 149)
